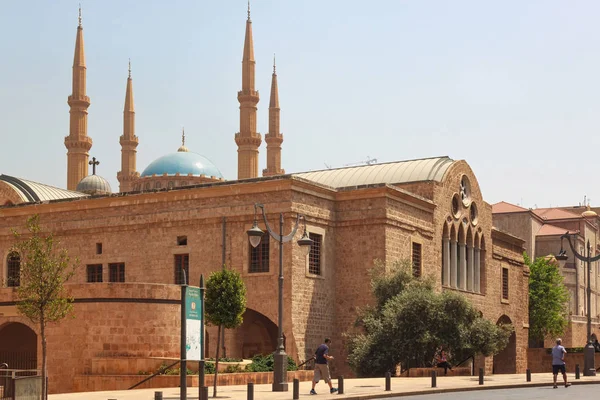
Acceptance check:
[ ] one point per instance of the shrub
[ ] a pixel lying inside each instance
(262, 363)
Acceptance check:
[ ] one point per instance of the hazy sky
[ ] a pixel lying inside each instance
(512, 87)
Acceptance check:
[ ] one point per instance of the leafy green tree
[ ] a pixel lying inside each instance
(42, 297)
(548, 300)
(225, 304)
(410, 320)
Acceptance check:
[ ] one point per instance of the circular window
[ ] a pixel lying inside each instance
(455, 206)
(474, 213)
(465, 190)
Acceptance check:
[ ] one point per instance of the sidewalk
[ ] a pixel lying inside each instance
(368, 388)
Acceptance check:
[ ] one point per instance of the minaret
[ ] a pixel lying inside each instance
(129, 142)
(274, 138)
(247, 139)
(78, 143)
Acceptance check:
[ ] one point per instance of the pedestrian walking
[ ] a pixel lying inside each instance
(321, 366)
(558, 362)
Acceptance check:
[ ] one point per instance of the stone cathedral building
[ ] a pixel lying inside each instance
(180, 213)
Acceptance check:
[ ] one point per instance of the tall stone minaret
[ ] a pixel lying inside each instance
(247, 139)
(129, 142)
(274, 137)
(78, 143)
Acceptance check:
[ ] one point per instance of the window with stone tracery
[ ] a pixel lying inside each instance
(182, 263)
(94, 273)
(259, 255)
(13, 263)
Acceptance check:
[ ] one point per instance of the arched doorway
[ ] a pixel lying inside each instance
(18, 346)
(505, 362)
(258, 334)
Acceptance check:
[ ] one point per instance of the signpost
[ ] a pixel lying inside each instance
(192, 327)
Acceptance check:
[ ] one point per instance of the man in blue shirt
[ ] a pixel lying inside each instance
(558, 362)
(321, 367)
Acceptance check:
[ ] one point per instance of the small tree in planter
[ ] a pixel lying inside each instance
(41, 292)
(225, 303)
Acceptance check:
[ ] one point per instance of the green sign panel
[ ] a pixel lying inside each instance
(193, 317)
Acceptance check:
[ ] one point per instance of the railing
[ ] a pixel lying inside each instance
(160, 371)
(8, 377)
(19, 359)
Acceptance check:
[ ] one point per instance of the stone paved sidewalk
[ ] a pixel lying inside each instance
(355, 389)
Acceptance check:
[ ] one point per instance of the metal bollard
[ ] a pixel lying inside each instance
(340, 384)
(433, 378)
(576, 371)
(250, 391)
(528, 373)
(204, 393)
(388, 381)
(481, 376)
(296, 389)
(158, 396)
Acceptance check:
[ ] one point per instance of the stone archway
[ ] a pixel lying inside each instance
(505, 362)
(257, 335)
(18, 346)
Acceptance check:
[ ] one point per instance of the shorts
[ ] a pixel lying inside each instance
(557, 368)
(321, 370)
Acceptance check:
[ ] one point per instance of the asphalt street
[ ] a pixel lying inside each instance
(580, 392)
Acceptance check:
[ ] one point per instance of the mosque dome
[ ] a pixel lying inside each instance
(184, 163)
(94, 184)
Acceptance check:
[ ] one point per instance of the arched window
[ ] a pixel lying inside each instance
(147, 185)
(171, 185)
(157, 185)
(13, 264)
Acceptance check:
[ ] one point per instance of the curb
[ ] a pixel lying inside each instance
(452, 390)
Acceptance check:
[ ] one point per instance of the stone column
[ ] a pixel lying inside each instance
(477, 271)
(446, 261)
(462, 284)
(470, 269)
(453, 259)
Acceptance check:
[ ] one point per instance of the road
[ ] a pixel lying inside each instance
(581, 392)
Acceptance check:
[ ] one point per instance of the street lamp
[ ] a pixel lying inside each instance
(254, 236)
(589, 368)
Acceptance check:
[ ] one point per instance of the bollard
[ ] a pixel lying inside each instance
(528, 372)
(481, 376)
(433, 378)
(158, 396)
(388, 381)
(576, 371)
(296, 389)
(340, 384)
(204, 393)
(250, 391)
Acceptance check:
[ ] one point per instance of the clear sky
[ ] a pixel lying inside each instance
(512, 87)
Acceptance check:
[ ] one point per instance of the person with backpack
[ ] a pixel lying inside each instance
(321, 366)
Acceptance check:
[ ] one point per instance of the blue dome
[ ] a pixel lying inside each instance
(183, 163)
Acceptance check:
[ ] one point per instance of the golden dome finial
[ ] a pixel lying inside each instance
(589, 213)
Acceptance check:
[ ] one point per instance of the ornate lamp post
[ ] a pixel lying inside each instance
(589, 368)
(254, 236)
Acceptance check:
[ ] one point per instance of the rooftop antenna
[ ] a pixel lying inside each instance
(368, 161)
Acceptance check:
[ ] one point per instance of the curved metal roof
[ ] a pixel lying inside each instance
(30, 191)
(425, 169)
(183, 163)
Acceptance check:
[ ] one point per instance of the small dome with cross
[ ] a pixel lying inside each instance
(94, 184)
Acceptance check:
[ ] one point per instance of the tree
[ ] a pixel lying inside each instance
(225, 303)
(45, 269)
(410, 320)
(548, 300)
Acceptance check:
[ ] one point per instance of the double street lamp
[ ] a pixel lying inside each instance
(255, 235)
(589, 368)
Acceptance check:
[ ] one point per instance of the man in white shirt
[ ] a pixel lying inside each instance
(558, 362)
